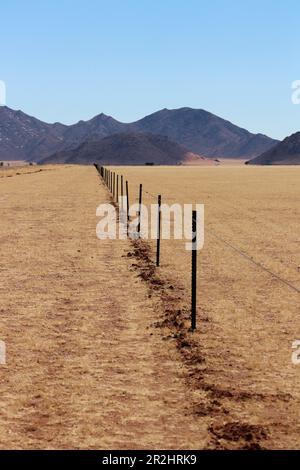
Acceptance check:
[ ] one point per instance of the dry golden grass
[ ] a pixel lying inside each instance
(84, 367)
(247, 319)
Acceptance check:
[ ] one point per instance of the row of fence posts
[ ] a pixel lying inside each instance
(111, 179)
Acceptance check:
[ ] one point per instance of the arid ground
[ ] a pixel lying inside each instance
(99, 352)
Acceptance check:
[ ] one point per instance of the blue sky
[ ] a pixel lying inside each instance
(66, 60)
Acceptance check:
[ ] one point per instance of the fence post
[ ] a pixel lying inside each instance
(114, 184)
(127, 202)
(194, 270)
(122, 192)
(117, 196)
(158, 230)
(140, 211)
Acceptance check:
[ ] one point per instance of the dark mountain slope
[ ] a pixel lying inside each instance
(205, 133)
(96, 128)
(127, 149)
(23, 137)
(286, 152)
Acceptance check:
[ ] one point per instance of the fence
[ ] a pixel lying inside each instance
(111, 180)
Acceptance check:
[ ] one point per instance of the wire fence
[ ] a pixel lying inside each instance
(111, 180)
(109, 177)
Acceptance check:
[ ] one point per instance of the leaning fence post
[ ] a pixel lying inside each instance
(194, 270)
(158, 230)
(140, 210)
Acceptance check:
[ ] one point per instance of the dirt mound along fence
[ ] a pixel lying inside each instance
(111, 180)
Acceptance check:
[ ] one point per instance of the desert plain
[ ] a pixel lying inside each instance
(98, 348)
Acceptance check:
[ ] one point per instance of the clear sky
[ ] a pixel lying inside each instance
(65, 60)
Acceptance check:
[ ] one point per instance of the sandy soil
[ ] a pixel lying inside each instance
(231, 161)
(86, 367)
(239, 362)
(99, 354)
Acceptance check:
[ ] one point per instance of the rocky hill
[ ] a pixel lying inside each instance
(286, 152)
(129, 149)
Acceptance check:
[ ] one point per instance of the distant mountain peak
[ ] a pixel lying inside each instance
(104, 117)
(203, 132)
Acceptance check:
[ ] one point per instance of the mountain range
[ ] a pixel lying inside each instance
(23, 137)
(286, 152)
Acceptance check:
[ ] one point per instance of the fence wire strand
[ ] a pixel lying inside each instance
(256, 263)
(241, 253)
